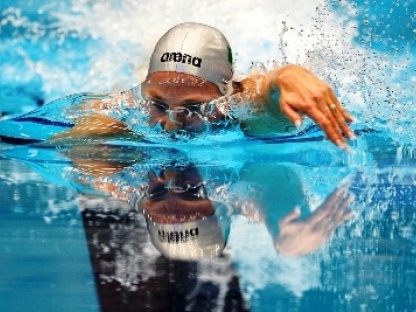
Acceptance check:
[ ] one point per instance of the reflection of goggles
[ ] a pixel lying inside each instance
(191, 191)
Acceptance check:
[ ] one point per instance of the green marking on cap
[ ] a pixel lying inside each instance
(230, 55)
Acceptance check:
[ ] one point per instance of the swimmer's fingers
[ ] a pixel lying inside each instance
(343, 213)
(344, 113)
(301, 92)
(331, 123)
(347, 116)
(341, 115)
(328, 124)
(340, 208)
(292, 114)
(343, 126)
(331, 205)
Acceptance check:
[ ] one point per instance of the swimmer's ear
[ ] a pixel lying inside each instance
(93, 126)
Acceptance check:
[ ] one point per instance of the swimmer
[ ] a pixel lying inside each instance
(192, 65)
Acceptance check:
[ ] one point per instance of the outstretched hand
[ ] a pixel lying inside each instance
(299, 236)
(301, 92)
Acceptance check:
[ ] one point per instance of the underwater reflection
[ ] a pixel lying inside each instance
(131, 200)
(189, 207)
(183, 225)
(159, 241)
(183, 222)
(299, 236)
(130, 274)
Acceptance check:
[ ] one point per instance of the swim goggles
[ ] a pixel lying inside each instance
(197, 191)
(200, 109)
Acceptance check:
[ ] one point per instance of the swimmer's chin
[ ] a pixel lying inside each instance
(190, 132)
(181, 134)
(186, 133)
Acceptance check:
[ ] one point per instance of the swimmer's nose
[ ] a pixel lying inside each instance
(171, 122)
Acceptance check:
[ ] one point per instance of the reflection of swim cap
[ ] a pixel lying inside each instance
(191, 240)
(195, 49)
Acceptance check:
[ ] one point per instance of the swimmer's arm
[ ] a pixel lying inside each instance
(95, 122)
(296, 91)
(265, 119)
(93, 126)
(113, 101)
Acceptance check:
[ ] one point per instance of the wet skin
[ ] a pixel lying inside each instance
(175, 101)
(175, 104)
(176, 96)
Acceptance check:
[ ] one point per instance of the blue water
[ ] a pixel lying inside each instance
(68, 244)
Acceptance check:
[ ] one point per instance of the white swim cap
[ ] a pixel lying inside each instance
(195, 49)
(192, 240)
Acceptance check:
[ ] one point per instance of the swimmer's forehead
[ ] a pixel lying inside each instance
(163, 78)
(188, 88)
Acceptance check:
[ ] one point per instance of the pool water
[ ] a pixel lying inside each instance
(65, 247)
(72, 234)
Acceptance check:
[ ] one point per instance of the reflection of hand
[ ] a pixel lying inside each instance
(301, 92)
(300, 236)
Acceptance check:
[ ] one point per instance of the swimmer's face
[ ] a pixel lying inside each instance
(176, 98)
(176, 196)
